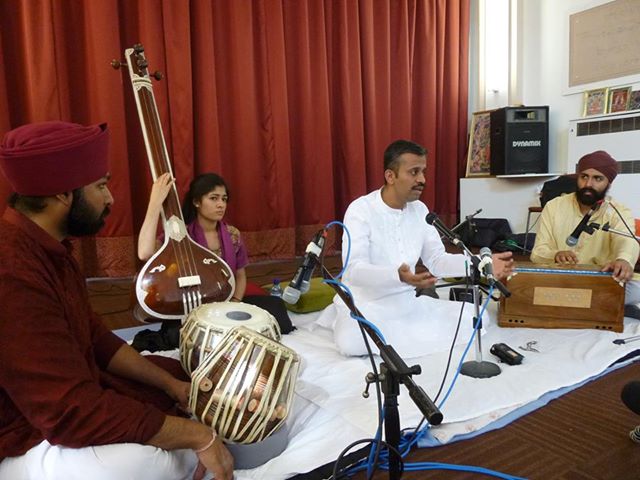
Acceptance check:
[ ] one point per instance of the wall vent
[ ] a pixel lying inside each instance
(613, 125)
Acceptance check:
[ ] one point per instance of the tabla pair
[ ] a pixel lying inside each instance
(242, 378)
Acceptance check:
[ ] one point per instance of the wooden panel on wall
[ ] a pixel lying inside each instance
(604, 42)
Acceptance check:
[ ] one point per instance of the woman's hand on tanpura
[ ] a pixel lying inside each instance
(160, 189)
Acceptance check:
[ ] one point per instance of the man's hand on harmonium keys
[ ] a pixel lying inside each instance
(621, 270)
(566, 257)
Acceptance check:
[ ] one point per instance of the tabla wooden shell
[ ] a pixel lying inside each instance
(244, 388)
(206, 325)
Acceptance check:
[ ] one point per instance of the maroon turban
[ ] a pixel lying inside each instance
(47, 158)
(601, 161)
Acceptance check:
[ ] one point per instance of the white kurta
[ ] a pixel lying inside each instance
(382, 239)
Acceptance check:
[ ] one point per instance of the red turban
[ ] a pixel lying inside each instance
(48, 158)
(601, 161)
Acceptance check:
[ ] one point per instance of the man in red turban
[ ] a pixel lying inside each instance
(556, 240)
(75, 400)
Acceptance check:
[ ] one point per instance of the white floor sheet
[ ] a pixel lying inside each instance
(330, 411)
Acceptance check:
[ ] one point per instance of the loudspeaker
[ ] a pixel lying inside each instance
(520, 140)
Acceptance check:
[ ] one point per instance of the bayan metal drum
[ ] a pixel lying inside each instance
(206, 325)
(244, 387)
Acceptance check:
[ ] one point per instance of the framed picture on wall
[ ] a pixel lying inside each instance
(634, 100)
(479, 153)
(619, 99)
(595, 102)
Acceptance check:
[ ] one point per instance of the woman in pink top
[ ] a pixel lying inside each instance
(203, 208)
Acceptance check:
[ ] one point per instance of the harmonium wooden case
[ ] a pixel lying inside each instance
(555, 296)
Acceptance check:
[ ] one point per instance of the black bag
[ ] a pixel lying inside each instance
(275, 306)
(554, 188)
(489, 231)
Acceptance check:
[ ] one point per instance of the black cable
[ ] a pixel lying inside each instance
(335, 473)
(446, 370)
(625, 223)
(377, 384)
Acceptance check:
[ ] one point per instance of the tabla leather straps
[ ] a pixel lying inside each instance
(182, 274)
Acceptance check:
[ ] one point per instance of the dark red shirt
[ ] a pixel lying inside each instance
(54, 351)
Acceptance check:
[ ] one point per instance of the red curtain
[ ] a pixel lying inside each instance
(291, 101)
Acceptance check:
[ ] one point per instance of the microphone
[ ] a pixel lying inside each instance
(485, 266)
(630, 396)
(301, 280)
(583, 226)
(486, 263)
(432, 219)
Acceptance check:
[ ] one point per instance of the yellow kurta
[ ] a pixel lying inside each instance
(561, 215)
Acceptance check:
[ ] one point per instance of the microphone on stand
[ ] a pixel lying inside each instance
(432, 219)
(486, 268)
(583, 226)
(486, 263)
(301, 280)
(630, 396)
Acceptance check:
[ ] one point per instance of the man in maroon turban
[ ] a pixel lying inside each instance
(75, 400)
(557, 242)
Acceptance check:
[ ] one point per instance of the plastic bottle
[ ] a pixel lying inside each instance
(276, 289)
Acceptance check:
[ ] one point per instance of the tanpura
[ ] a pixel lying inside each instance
(182, 274)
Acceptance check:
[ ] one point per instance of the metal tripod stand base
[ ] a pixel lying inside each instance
(480, 369)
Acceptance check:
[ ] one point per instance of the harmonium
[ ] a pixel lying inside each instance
(556, 296)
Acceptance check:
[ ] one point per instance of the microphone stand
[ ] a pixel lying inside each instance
(607, 228)
(477, 368)
(393, 372)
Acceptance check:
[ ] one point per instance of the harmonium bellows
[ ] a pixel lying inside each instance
(562, 297)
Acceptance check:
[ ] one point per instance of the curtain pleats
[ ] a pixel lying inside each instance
(291, 101)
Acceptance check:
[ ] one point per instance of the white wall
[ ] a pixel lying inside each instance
(541, 47)
(544, 40)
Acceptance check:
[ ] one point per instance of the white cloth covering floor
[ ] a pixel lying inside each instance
(330, 412)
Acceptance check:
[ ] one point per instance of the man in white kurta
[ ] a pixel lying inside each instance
(389, 235)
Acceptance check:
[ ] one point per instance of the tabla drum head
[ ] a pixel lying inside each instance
(206, 325)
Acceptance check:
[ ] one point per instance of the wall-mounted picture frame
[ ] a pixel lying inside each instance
(595, 102)
(479, 153)
(618, 99)
(634, 100)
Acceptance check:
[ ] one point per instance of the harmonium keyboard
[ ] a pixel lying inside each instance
(556, 296)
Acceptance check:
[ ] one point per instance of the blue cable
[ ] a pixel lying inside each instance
(422, 432)
(461, 468)
(360, 319)
(346, 230)
(406, 445)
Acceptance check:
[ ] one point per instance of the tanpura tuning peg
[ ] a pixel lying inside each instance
(116, 64)
(138, 48)
(157, 75)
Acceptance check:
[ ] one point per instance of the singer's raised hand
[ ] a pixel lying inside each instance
(502, 264)
(621, 269)
(566, 257)
(418, 280)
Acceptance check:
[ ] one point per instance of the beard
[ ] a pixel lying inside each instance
(83, 220)
(589, 196)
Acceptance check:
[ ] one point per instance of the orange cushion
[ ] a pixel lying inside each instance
(637, 226)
